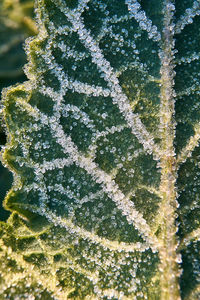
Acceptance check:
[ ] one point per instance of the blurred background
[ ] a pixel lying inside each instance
(16, 24)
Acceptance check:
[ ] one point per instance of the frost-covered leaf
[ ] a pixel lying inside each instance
(103, 144)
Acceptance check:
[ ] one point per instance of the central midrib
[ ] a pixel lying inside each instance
(169, 268)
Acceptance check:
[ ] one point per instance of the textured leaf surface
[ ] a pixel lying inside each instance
(103, 144)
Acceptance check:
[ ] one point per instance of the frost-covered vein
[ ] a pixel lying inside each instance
(109, 186)
(48, 282)
(67, 83)
(138, 66)
(57, 97)
(78, 115)
(13, 279)
(124, 204)
(75, 229)
(112, 294)
(24, 106)
(145, 23)
(98, 134)
(78, 202)
(193, 142)
(188, 17)
(57, 163)
(68, 52)
(193, 89)
(119, 98)
(187, 60)
(106, 28)
(193, 236)
(150, 189)
(82, 5)
(167, 211)
(121, 39)
(71, 264)
(92, 276)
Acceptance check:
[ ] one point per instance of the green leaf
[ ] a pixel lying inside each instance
(103, 145)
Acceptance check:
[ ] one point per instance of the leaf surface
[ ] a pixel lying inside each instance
(103, 144)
